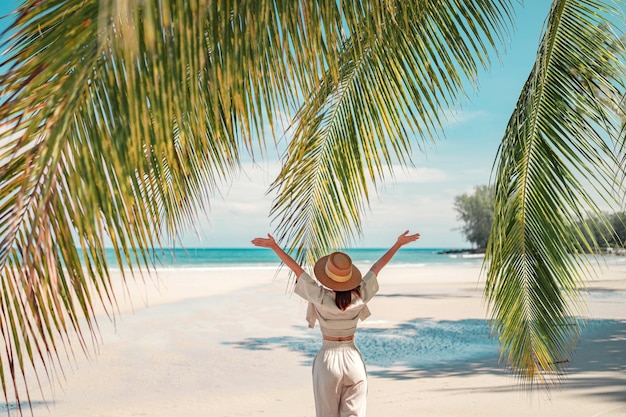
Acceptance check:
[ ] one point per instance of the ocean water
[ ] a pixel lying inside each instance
(245, 258)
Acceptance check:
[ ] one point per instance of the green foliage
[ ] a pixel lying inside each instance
(562, 145)
(120, 118)
(607, 231)
(396, 71)
(476, 212)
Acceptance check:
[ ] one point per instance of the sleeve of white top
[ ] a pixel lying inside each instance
(369, 287)
(307, 288)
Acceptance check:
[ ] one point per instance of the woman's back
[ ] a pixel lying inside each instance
(335, 322)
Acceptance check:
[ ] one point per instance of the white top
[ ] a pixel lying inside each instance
(333, 321)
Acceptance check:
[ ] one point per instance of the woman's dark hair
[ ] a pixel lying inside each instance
(344, 298)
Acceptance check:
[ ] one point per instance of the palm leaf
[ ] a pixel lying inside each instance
(394, 78)
(557, 155)
(118, 121)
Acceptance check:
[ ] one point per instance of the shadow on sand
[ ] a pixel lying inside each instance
(13, 408)
(417, 344)
(424, 348)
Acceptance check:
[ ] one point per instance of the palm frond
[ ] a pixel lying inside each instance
(396, 73)
(118, 120)
(556, 157)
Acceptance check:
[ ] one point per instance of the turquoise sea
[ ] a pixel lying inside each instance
(243, 258)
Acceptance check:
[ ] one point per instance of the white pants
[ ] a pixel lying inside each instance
(339, 380)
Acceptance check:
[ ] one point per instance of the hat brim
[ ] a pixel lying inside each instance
(325, 280)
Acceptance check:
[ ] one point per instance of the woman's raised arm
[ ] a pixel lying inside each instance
(270, 243)
(402, 240)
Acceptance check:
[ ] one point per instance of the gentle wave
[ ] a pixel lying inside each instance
(245, 259)
(204, 268)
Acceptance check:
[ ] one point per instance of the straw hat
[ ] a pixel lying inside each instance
(336, 271)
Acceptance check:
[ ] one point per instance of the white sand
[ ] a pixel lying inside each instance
(234, 343)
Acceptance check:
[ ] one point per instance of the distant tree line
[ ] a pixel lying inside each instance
(475, 211)
(607, 232)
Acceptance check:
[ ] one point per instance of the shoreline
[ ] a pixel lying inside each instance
(228, 344)
(450, 258)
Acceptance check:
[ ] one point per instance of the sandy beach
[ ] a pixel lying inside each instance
(233, 342)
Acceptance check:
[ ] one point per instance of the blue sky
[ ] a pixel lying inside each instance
(419, 199)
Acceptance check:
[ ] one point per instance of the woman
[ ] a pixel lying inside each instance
(338, 301)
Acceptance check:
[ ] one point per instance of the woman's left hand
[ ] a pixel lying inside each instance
(262, 242)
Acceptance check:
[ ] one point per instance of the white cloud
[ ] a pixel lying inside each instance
(418, 207)
(239, 212)
(417, 198)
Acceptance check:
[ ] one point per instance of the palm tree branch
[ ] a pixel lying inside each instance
(356, 125)
(93, 188)
(557, 132)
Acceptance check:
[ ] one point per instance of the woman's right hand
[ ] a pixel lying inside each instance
(405, 238)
